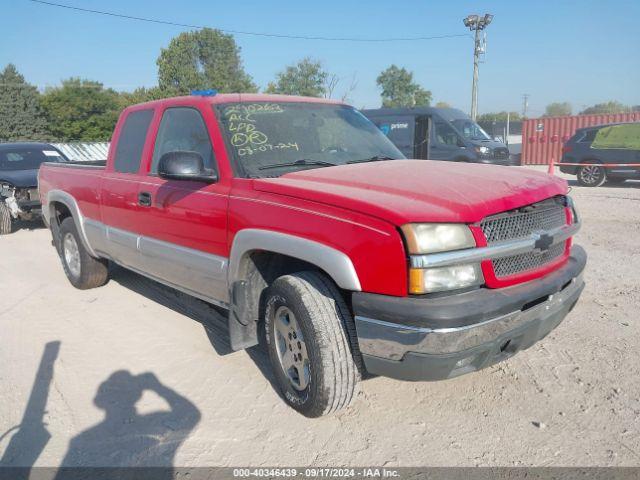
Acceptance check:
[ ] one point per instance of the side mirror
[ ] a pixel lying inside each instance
(182, 165)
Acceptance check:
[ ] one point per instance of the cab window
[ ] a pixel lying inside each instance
(131, 141)
(183, 129)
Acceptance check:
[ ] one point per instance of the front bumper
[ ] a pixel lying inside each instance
(443, 337)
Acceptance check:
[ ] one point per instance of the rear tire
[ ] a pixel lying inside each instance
(591, 175)
(5, 219)
(82, 270)
(311, 342)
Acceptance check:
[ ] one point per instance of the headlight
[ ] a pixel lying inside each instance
(437, 237)
(426, 238)
(427, 280)
(483, 150)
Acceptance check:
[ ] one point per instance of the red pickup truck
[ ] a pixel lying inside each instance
(299, 217)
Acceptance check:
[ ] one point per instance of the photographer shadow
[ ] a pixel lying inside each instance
(126, 438)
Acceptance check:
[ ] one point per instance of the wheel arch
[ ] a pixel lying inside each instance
(258, 257)
(332, 261)
(61, 205)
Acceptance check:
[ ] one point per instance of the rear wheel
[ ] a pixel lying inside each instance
(591, 175)
(5, 218)
(82, 270)
(310, 346)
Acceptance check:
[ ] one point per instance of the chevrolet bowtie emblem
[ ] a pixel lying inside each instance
(543, 242)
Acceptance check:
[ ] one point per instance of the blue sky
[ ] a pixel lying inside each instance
(584, 52)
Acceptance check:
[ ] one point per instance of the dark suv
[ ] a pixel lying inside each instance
(598, 146)
(19, 164)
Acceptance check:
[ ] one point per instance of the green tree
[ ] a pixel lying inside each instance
(499, 117)
(558, 109)
(202, 59)
(20, 113)
(608, 107)
(399, 89)
(307, 78)
(143, 94)
(81, 110)
(442, 104)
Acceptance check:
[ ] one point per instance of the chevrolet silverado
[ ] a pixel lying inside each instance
(304, 222)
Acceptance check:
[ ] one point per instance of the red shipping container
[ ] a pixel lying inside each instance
(542, 138)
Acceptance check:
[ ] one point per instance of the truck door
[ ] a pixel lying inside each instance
(183, 235)
(116, 234)
(445, 143)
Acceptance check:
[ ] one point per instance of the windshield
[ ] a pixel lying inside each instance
(470, 129)
(27, 159)
(271, 139)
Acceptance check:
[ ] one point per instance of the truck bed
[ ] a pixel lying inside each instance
(71, 163)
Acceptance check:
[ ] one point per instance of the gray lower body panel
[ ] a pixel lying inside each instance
(197, 273)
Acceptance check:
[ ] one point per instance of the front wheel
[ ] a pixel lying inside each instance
(311, 342)
(591, 175)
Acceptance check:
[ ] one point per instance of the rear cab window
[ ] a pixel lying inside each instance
(131, 141)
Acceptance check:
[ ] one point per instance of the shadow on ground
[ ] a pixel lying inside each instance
(123, 439)
(212, 318)
(17, 225)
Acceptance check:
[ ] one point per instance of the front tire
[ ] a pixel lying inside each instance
(311, 341)
(591, 175)
(82, 270)
(5, 218)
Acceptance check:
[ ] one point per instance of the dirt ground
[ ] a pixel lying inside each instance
(571, 400)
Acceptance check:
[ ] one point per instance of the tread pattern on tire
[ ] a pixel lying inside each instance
(5, 218)
(94, 272)
(335, 335)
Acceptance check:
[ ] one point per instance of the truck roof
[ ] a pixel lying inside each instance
(235, 98)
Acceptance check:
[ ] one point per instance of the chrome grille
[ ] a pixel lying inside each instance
(526, 261)
(521, 223)
(500, 153)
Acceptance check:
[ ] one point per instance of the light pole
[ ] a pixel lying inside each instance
(476, 23)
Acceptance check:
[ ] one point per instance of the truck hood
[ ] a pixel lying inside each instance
(404, 191)
(20, 178)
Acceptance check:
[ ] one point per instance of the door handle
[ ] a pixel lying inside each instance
(144, 199)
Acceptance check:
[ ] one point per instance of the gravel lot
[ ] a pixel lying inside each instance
(571, 400)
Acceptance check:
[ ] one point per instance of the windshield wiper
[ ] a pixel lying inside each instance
(302, 161)
(375, 158)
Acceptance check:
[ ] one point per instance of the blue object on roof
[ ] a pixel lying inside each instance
(204, 93)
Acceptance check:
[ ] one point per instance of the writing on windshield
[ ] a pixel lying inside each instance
(276, 136)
